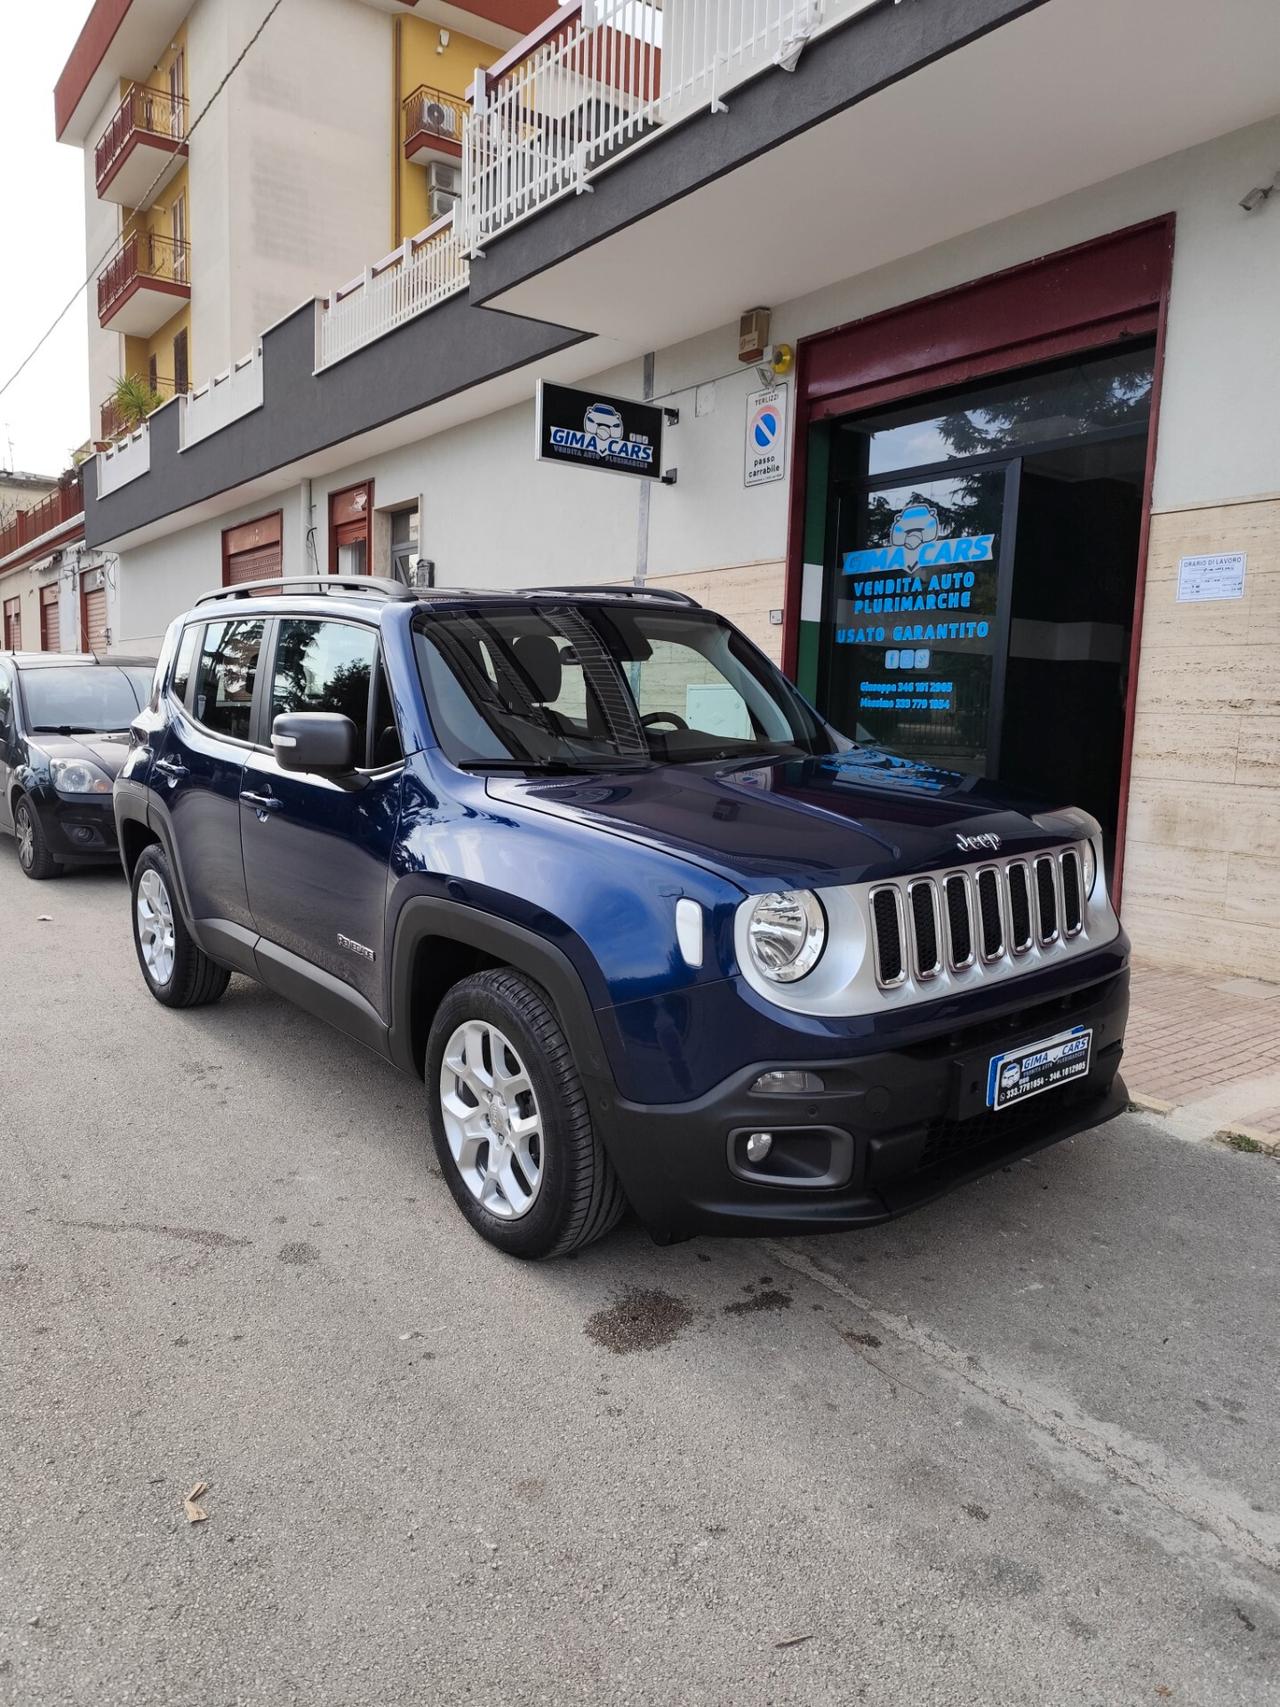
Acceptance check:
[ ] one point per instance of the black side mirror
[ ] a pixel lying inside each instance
(315, 741)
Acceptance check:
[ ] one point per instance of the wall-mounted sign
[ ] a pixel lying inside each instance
(1220, 577)
(766, 446)
(590, 430)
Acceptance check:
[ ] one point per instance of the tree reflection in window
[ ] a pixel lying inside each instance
(325, 666)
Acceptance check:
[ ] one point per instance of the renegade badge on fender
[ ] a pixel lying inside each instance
(650, 931)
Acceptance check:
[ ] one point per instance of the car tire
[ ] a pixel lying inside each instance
(177, 970)
(510, 1120)
(33, 850)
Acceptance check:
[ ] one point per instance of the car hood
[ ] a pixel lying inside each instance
(108, 752)
(804, 823)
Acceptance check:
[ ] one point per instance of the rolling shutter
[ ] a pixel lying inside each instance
(253, 551)
(95, 621)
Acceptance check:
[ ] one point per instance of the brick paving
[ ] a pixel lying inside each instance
(1207, 1046)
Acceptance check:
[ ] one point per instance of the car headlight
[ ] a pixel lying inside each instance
(786, 933)
(79, 776)
(1088, 867)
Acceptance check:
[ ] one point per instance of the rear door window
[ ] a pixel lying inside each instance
(225, 676)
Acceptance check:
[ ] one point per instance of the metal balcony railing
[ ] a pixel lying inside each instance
(424, 271)
(432, 115)
(144, 112)
(142, 256)
(115, 424)
(62, 505)
(600, 76)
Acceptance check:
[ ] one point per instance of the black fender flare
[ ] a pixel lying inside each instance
(425, 916)
(131, 802)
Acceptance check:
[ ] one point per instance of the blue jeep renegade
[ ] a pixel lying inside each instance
(650, 931)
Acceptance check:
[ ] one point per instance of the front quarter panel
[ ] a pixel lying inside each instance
(575, 887)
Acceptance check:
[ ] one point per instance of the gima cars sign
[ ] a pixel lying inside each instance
(593, 431)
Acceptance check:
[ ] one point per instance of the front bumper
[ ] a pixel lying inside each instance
(78, 827)
(890, 1130)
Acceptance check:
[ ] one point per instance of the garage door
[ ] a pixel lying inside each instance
(252, 551)
(93, 620)
(50, 636)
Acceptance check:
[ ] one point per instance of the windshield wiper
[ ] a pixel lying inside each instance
(65, 729)
(555, 767)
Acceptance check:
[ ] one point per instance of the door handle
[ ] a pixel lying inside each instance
(169, 768)
(262, 803)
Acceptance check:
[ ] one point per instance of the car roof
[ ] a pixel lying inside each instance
(74, 660)
(368, 596)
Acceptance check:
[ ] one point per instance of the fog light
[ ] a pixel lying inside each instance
(785, 1082)
(759, 1145)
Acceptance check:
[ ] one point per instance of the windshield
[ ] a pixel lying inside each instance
(84, 698)
(604, 685)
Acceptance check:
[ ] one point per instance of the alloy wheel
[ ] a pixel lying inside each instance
(491, 1119)
(25, 829)
(154, 912)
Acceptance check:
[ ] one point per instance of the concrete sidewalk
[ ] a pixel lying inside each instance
(1206, 1052)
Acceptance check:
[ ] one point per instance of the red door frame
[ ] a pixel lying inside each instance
(1082, 298)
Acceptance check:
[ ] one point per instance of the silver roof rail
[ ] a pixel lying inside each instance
(364, 586)
(667, 594)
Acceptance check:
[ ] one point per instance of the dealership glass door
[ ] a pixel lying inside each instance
(982, 551)
(916, 642)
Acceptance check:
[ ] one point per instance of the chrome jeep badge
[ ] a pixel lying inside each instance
(975, 844)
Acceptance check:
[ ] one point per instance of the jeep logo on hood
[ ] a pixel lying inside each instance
(974, 844)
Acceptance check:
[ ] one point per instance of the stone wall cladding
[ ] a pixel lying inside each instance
(1202, 862)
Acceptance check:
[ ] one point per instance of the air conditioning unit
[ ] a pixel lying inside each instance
(445, 179)
(439, 202)
(438, 119)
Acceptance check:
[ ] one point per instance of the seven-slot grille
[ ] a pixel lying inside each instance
(959, 919)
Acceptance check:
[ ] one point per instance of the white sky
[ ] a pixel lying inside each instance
(46, 412)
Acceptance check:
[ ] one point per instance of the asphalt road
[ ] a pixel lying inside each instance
(1021, 1447)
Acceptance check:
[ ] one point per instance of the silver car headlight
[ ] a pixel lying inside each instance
(79, 776)
(786, 933)
(1088, 867)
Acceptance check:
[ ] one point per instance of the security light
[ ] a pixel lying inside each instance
(1259, 194)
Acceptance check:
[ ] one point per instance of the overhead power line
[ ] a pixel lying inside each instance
(142, 202)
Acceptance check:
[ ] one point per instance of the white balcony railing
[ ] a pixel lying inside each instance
(424, 271)
(219, 401)
(602, 75)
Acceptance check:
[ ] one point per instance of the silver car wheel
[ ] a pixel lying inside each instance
(491, 1120)
(154, 913)
(26, 833)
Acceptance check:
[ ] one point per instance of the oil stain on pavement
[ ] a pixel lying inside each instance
(642, 1319)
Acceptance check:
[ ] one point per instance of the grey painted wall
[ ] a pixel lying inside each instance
(453, 347)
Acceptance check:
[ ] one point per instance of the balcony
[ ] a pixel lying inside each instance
(144, 284)
(142, 147)
(432, 125)
(62, 505)
(595, 80)
(423, 272)
(116, 423)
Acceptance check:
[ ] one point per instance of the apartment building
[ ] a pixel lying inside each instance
(46, 604)
(995, 475)
(339, 137)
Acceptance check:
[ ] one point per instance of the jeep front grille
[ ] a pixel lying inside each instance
(965, 921)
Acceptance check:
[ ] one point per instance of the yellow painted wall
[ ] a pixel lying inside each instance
(450, 70)
(159, 220)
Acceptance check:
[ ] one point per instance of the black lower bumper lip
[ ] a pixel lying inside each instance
(903, 1129)
(79, 829)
